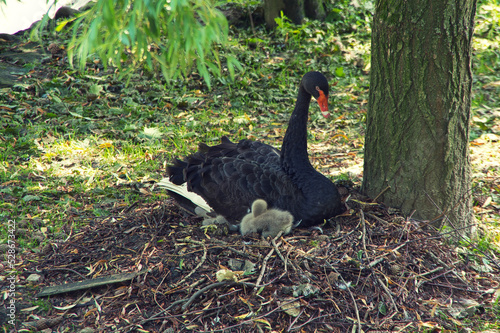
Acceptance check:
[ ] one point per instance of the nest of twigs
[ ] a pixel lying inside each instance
(369, 270)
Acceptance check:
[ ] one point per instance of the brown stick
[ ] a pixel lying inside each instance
(264, 264)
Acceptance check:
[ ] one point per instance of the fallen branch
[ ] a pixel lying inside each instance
(87, 284)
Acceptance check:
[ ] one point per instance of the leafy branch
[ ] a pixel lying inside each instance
(176, 34)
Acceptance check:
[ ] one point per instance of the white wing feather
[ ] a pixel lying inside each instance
(183, 191)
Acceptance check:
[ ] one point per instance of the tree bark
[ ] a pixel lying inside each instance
(295, 10)
(272, 9)
(417, 139)
(314, 9)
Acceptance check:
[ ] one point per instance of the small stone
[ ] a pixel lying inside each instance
(86, 330)
(22, 224)
(34, 278)
(333, 278)
(396, 269)
(21, 231)
(60, 235)
(38, 239)
(322, 238)
(46, 249)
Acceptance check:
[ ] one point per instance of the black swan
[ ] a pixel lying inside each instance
(268, 222)
(229, 177)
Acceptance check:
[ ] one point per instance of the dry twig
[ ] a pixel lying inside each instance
(202, 260)
(264, 263)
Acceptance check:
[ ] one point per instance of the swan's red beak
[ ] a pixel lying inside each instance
(323, 103)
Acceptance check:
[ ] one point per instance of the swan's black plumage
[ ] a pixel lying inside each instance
(230, 176)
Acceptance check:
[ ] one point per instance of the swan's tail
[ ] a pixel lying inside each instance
(182, 191)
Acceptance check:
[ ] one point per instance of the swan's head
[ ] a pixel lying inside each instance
(259, 207)
(316, 84)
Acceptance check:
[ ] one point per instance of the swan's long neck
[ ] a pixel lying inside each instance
(294, 157)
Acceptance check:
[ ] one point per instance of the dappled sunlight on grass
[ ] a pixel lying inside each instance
(485, 159)
(483, 44)
(491, 230)
(488, 20)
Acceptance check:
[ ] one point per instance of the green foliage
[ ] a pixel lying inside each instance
(488, 20)
(43, 305)
(324, 42)
(177, 35)
(486, 69)
(351, 15)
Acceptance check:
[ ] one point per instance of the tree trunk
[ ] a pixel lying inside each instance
(295, 10)
(417, 139)
(314, 9)
(272, 9)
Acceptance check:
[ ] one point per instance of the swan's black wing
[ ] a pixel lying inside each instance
(230, 185)
(245, 149)
(231, 176)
